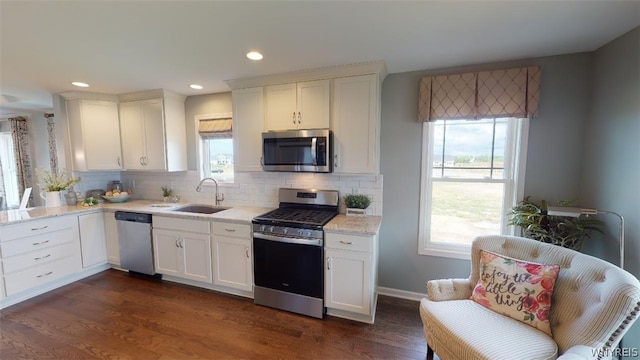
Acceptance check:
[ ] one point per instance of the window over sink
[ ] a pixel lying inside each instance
(215, 146)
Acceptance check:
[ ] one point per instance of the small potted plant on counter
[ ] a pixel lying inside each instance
(356, 204)
(166, 193)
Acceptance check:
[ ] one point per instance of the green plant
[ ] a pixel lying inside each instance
(569, 232)
(56, 182)
(357, 201)
(166, 191)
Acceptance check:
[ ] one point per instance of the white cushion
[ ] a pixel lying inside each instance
(479, 333)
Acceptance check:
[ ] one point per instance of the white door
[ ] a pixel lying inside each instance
(313, 104)
(281, 112)
(167, 252)
(348, 281)
(101, 134)
(232, 262)
(196, 250)
(248, 122)
(132, 134)
(92, 239)
(154, 137)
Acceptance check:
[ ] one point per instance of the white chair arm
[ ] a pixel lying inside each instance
(579, 352)
(449, 289)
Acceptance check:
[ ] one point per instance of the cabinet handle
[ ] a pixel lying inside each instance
(145, 161)
(118, 160)
(179, 242)
(299, 118)
(335, 160)
(346, 242)
(229, 230)
(43, 275)
(141, 161)
(328, 263)
(40, 228)
(246, 251)
(294, 118)
(40, 243)
(42, 257)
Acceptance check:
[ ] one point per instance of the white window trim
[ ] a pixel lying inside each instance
(520, 136)
(199, 147)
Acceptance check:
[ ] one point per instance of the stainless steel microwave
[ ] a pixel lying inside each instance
(298, 151)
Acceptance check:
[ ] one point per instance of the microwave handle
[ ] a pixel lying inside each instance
(314, 152)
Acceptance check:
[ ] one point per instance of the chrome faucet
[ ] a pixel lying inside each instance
(219, 197)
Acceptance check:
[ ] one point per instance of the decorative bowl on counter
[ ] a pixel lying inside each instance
(116, 198)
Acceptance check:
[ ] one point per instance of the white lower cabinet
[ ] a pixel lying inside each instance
(351, 276)
(92, 239)
(111, 234)
(232, 255)
(38, 252)
(185, 250)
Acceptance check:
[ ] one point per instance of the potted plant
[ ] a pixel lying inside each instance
(166, 193)
(569, 232)
(356, 204)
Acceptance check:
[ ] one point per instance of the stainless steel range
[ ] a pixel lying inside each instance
(288, 249)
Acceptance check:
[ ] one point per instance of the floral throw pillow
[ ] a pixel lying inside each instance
(516, 288)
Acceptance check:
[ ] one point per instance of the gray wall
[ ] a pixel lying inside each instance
(611, 165)
(202, 105)
(553, 162)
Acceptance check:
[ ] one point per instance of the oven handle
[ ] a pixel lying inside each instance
(314, 242)
(314, 154)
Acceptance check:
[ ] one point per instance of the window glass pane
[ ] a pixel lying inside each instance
(461, 211)
(220, 158)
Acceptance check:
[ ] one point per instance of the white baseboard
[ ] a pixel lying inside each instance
(402, 294)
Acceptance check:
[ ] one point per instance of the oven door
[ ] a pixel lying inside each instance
(297, 151)
(289, 267)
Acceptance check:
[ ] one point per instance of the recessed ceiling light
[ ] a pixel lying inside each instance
(254, 55)
(196, 86)
(79, 84)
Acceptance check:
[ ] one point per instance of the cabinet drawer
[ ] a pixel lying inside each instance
(42, 241)
(38, 257)
(231, 229)
(42, 274)
(349, 242)
(177, 224)
(36, 227)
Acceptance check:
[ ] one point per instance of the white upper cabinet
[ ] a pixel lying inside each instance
(356, 125)
(153, 131)
(248, 119)
(94, 133)
(304, 105)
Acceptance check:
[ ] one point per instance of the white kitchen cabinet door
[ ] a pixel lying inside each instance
(248, 123)
(166, 252)
(92, 239)
(132, 133)
(94, 134)
(111, 233)
(348, 281)
(356, 125)
(232, 262)
(154, 137)
(304, 105)
(196, 250)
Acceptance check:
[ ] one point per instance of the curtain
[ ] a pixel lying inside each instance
(2, 191)
(487, 94)
(215, 128)
(20, 135)
(53, 149)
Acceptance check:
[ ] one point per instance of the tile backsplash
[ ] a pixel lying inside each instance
(249, 189)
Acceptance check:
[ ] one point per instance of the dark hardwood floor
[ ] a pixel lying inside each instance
(113, 315)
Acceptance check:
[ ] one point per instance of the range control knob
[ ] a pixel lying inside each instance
(301, 232)
(308, 233)
(262, 227)
(285, 230)
(271, 229)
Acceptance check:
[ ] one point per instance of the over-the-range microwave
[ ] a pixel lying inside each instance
(298, 151)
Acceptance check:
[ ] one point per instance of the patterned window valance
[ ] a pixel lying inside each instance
(215, 128)
(498, 93)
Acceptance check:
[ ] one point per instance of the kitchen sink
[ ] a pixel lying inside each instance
(200, 209)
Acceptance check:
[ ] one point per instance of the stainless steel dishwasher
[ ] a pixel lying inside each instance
(134, 238)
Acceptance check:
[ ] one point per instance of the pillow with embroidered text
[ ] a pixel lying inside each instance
(515, 288)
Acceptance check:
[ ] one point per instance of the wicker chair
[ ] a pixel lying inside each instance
(594, 304)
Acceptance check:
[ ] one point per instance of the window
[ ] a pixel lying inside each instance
(9, 177)
(216, 146)
(472, 174)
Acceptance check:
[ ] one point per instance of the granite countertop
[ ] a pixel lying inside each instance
(369, 225)
(240, 214)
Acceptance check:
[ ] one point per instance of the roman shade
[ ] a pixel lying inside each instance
(215, 128)
(487, 94)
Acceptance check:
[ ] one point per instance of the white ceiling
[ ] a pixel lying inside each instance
(126, 46)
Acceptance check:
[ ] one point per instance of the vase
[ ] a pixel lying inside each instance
(51, 198)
